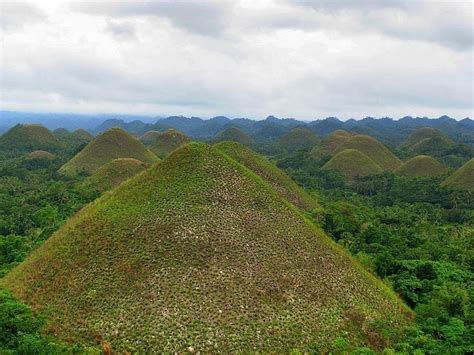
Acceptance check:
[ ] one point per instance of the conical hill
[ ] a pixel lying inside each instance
(422, 165)
(329, 144)
(298, 138)
(112, 144)
(352, 163)
(165, 142)
(200, 253)
(233, 134)
(281, 182)
(28, 138)
(463, 178)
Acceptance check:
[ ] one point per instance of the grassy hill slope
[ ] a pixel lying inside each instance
(375, 150)
(329, 144)
(29, 137)
(420, 134)
(233, 134)
(421, 165)
(281, 182)
(40, 155)
(352, 163)
(114, 173)
(150, 137)
(112, 144)
(199, 253)
(167, 141)
(463, 177)
(298, 138)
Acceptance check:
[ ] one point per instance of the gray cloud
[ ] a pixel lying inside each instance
(121, 30)
(18, 14)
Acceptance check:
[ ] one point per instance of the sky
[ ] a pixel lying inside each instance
(252, 58)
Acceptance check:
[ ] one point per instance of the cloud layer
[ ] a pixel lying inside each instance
(304, 59)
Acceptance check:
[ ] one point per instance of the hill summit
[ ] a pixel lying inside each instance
(112, 144)
(463, 178)
(165, 142)
(352, 163)
(29, 137)
(233, 134)
(422, 165)
(375, 150)
(329, 144)
(200, 253)
(298, 138)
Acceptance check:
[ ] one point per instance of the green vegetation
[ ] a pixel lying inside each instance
(419, 135)
(199, 252)
(113, 173)
(112, 144)
(27, 138)
(298, 138)
(233, 134)
(375, 150)
(40, 154)
(329, 144)
(150, 137)
(352, 163)
(166, 142)
(462, 178)
(269, 172)
(422, 165)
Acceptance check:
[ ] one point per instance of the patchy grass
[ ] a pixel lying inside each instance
(40, 155)
(329, 144)
(281, 182)
(462, 178)
(375, 150)
(298, 138)
(29, 137)
(150, 137)
(199, 252)
(422, 165)
(165, 142)
(352, 163)
(112, 144)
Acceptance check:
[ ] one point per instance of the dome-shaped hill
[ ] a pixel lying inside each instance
(73, 139)
(114, 173)
(112, 144)
(437, 146)
(29, 137)
(352, 163)
(421, 165)
(463, 178)
(168, 141)
(233, 134)
(150, 137)
(375, 150)
(198, 251)
(40, 155)
(281, 182)
(329, 144)
(83, 134)
(418, 135)
(298, 138)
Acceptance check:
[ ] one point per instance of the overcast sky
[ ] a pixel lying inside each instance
(302, 59)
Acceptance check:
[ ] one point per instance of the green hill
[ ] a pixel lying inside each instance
(112, 144)
(462, 178)
(29, 137)
(40, 155)
(150, 137)
(114, 173)
(298, 138)
(168, 141)
(329, 144)
(420, 134)
(73, 139)
(429, 141)
(199, 254)
(375, 150)
(233, 134)
(352, 163)
(421, 165)
(281, 182)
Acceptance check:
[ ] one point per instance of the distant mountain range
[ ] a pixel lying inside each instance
(390, 131)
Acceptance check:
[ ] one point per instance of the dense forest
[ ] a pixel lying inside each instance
(414, 231)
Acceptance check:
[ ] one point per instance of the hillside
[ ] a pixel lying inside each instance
(421, 165)
(233, 134)
(112, 144)
(114, 173)
(150, 137)
(40, 155)
(167, 141)
(29, 137)
(420, 134)
(198, 253)
(329, 144)
(298, 138)
(352, 163)
(74, 139)
(463, 177)
(375, 150)
(281, 182)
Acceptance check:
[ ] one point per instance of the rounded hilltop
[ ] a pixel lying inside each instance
(164, 143)
(298, 138)
(29, 137)
(201, 251)
(150, 137)
(375, 150)
(462, 178)
(352, 163)
(329, 144)
(427, 141)
(233, 134)
(421, 165)
(112, 144)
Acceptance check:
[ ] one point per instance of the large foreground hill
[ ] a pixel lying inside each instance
(198, 253)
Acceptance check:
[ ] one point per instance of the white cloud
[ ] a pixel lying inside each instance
(246, 58)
